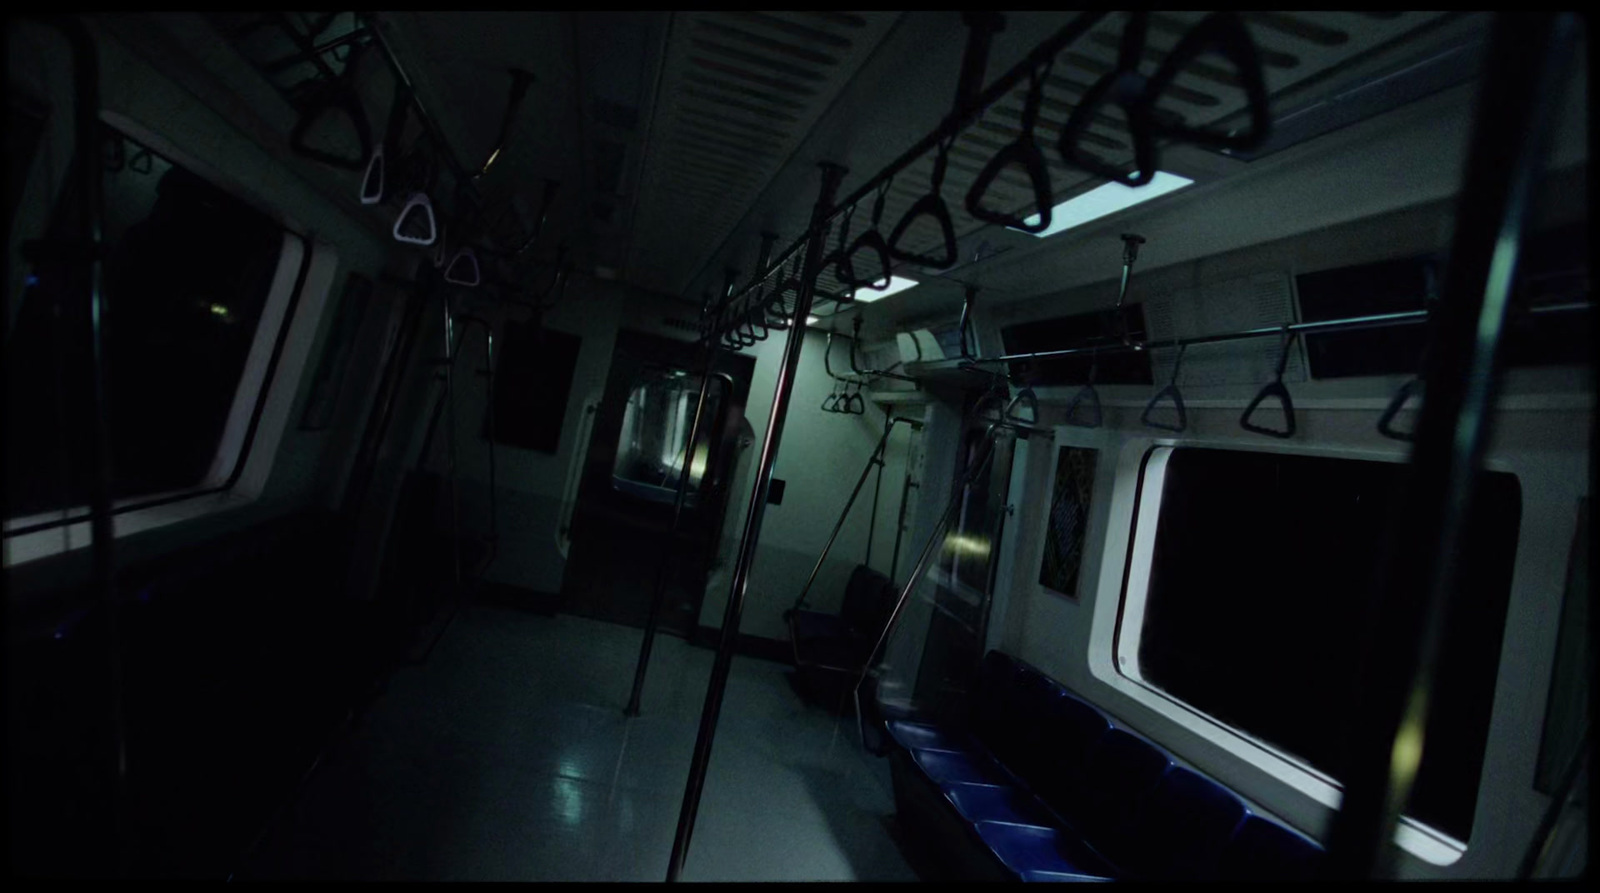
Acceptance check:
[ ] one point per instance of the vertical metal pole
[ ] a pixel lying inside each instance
(874, 459)
(660, 595)
(86, 127)
(86, 250)
(450, 440)
(1519, 98)
(831, 175)
(881, 458)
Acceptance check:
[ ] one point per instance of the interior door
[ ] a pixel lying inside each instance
(622, 522)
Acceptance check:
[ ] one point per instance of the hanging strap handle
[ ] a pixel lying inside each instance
(375, 186)
(1087, 392)
(1413, 387)
(1127, 88)
(335, 95)
(871, 240)
(1275, 388)
(838, 258)
(1025, 152)
(1222, 33)
(932, 205)
(1171, 390)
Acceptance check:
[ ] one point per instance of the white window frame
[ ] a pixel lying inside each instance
(272, 425)
(1113, 656)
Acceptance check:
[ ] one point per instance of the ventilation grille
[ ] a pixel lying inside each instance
(740, 90)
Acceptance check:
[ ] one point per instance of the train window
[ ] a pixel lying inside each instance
(655, 435)
(187, 275)
(1554, 270)
(1119, 367)
(531, 386)
(1250, 602)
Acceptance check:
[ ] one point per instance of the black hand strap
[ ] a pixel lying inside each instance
(1222, 33)
(932, 205)
(1274, 388)
(1023, 151)
(872, 241)
(1171, 390)
(1087, 393)
(1125, 87)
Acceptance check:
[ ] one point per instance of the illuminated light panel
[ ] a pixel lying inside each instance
(812, 320)
(896, 284)
(1103, 200)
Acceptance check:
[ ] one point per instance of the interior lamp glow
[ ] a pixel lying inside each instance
(1103, 200)
(896, 284)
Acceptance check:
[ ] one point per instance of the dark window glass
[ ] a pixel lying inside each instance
(532, 382)
(186, 276)
(1261, 590)
(1116, 367)
(1553, 269)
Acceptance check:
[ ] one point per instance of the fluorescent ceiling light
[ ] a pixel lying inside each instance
(812, 320)
(896, 284)
(1103, 200)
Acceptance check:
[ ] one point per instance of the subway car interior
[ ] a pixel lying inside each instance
(798, 446)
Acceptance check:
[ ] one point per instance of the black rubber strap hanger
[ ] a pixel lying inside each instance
(1124, 86)
(840, 258)
(832, 400)
(871, 240)
(1171, 390)
(1224, 34)
(857, 404)
(1028, 397)
(1025, 152)
(376, 184)
(932, 205)
(1087, 392)
(417, 225)
(329, 96)
(1275, 388)
(1414, 387)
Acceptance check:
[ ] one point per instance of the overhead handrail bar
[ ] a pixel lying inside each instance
(1347, 324)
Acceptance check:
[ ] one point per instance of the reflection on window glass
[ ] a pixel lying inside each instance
(185, 279)
(654, 442)
(1069, 519)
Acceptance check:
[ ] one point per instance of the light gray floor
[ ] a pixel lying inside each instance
(507, 757)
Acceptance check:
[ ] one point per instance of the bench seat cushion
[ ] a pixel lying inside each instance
(1031, 848)
(996, 803)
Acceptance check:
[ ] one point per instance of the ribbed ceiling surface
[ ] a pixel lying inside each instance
(740, 90)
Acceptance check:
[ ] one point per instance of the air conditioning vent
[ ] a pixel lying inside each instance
(673, 322)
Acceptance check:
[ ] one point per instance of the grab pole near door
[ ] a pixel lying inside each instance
(831, 175)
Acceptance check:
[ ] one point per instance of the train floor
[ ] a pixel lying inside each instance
(507, 757)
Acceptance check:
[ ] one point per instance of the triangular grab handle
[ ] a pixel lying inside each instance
(1171, 390)
(418, 210)
(463, 269)
(1411, 388)
(1273, 389)
(1087, 392)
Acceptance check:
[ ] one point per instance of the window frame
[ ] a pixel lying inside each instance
(1108, 662)
(255, 426)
